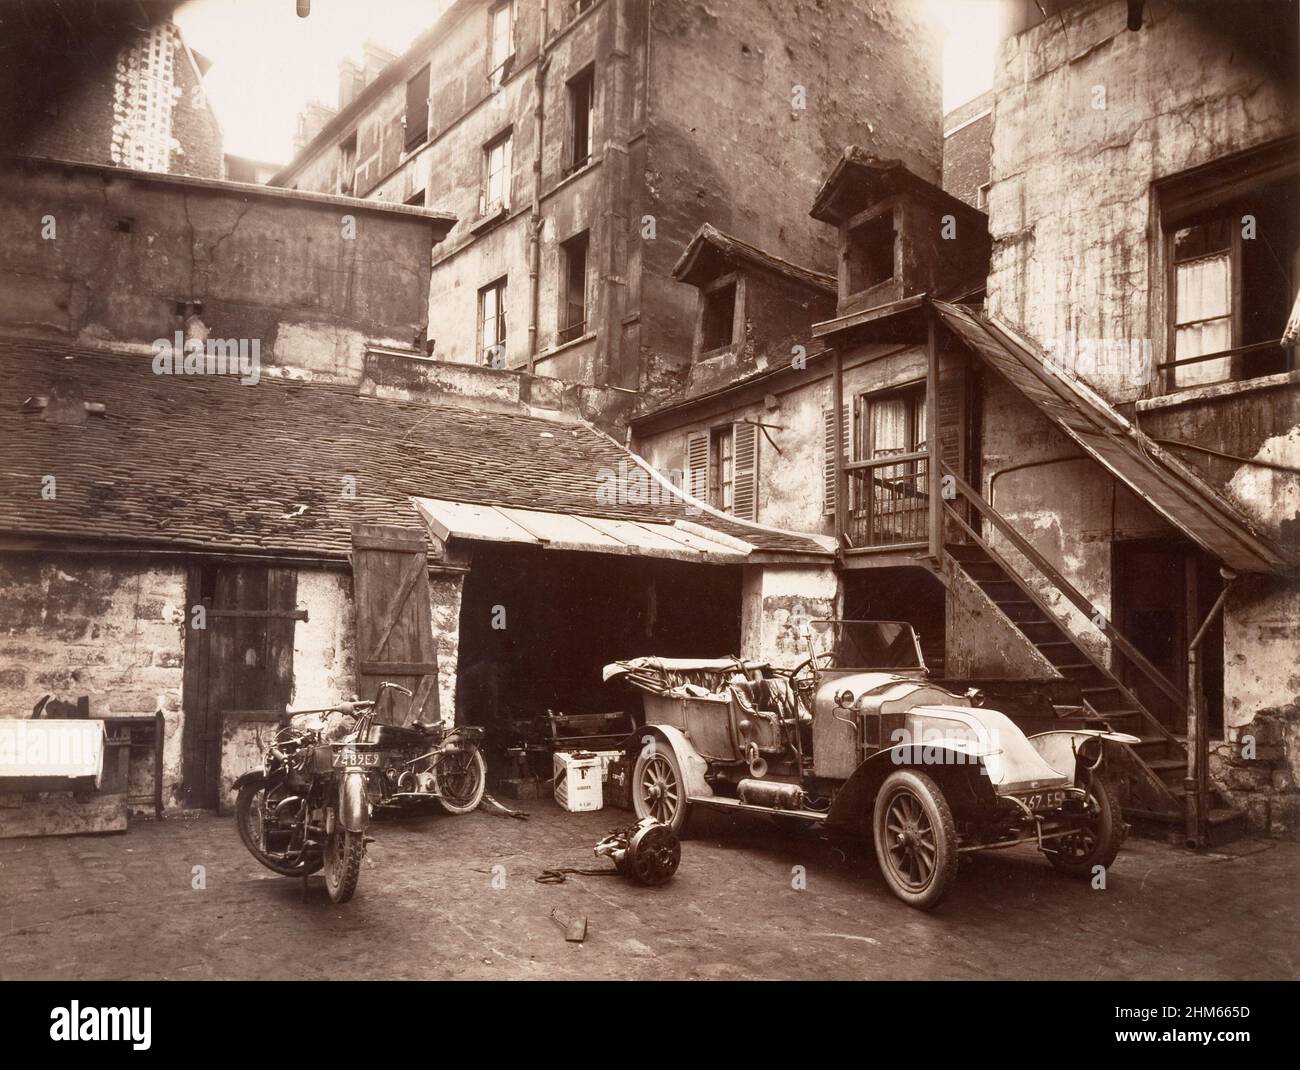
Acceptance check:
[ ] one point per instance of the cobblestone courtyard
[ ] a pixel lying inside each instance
(123, 907)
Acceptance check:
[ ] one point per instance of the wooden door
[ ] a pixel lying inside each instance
(395, 640)
(239, 663)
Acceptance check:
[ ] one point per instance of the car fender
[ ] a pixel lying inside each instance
(689, 760)
(854, 800)
(354, 807)
(1060, 747)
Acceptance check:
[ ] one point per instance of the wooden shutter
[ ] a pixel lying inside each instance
(417, 108)
(395, 640)
(744, 476)
(697, 465)
(828, 454)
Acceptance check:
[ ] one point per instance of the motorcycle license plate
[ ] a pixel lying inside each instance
(350, 756)
(1041, 800)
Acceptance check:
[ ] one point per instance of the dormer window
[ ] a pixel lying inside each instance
(869, 252)
(721, 322)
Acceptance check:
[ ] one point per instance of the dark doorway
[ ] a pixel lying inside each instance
(1161, 591)
(238, 663)
(914, 595)
(537, 626)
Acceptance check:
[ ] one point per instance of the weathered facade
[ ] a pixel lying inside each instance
(570, 142)
(181, 531)
(1145, 183)
(1062, 479)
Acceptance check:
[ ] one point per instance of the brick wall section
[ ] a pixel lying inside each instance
(110, 631)
(967, 146)
(78, 124)
(194, 125)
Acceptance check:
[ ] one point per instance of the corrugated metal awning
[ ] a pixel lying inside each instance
(680, 540)
(1164, 482)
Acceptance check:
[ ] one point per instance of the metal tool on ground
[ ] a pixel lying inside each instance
(575, 929)
(648, 851)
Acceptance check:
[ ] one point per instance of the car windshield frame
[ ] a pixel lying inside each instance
(884, 645)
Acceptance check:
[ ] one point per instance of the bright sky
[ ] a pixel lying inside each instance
(267, 63)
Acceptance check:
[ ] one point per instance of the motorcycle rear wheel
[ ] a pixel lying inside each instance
(460, 778)
(344, 851)
(249, 807)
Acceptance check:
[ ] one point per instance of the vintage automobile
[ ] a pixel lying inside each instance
(858, 740)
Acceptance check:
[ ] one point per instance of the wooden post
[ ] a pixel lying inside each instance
(841, 478)
(1197, 782)
(932, 437)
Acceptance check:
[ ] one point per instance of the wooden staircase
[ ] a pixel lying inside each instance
(1154, 792)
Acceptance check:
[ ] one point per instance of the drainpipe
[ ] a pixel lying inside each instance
(1196, 785)
(535, 217)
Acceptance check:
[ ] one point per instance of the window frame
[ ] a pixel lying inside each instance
(348, 189)
(498, 288)
(499, 69)
(565, 325)
(1214, 189)
(863, 431)
(413, 140)
(707, 293)
(504, 141)
(572, 164)
(887, 208)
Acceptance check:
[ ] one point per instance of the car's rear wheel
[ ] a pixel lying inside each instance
(1098, 841)
(916, 839)
(658, 790)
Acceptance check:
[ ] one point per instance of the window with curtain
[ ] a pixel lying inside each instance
(1202, 301)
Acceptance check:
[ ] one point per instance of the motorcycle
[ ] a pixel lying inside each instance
(308, 806)
(432, 761)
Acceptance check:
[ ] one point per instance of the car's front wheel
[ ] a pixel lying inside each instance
(658, 790)
(1098, 839)
(916, 839)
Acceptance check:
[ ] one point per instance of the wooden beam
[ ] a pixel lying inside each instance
(841, 477)
(932, 436)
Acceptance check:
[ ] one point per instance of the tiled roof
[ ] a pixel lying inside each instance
(201, 461)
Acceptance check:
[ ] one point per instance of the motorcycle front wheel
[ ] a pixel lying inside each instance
(344, 851)
(250, 815)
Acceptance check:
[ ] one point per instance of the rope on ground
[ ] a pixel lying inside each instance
(500, 811)
(558, 876)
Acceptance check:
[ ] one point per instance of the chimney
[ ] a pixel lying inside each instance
(311, 120)
(374, 59)
(349, 82)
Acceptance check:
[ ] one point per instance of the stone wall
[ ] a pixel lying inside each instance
(108, 629)
(774, 601)
(106, 256)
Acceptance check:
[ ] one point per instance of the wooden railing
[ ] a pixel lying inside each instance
(888, 501)
(1099, 618)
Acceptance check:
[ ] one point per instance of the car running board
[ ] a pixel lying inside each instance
(722, 802)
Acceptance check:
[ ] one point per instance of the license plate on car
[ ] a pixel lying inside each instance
(1041, 800)
(349, 756)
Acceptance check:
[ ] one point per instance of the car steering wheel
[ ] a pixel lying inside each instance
(801, 676)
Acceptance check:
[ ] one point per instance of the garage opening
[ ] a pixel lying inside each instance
(537, 626)
(914, 595)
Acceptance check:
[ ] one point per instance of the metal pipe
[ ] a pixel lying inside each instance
(535, 216)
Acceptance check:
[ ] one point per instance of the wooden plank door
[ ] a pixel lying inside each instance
(240, 661)
(395, 640)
